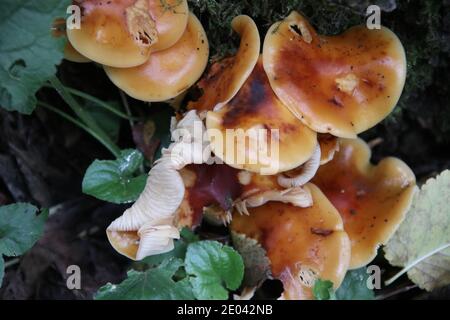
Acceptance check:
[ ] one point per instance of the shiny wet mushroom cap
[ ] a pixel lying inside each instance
(342, 84)
(372, 200)
(73, 55)
(302, 244)
(167, 73)
(256, 132)
(225, 77)
(123, 33)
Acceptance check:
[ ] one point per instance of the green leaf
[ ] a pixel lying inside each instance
(153, 284)
(107, 121)
(115, 180)
(323, 290)
(213, 268)
(354, 286)
(28, 51)
(179, 251)
(20, 228)
(188, 235)
(421, 245)
(256, 262)
(2, 269)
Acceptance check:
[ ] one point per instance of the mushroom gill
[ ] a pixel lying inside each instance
(148, 226)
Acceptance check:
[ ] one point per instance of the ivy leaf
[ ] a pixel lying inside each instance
(354, 286)
(28, 51)
(323, 290)
(256, 262)
(153, 284)
(421, 245)
(20, 228)
(213, 268)
(115, 180)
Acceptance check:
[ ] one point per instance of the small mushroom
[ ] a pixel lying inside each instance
(302, 244)
(372, 200)
(123, 33)
(342, 84)
(226, 77)
(167, 73)
(148, 227)
(256, 132)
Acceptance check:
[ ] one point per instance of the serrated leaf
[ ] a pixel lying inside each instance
(323, 290)
(354, 286)
(28, 51)
(256, 262)
(421, 245)
(213, 268)
(153, 284)
(116, 180)
(20, 228)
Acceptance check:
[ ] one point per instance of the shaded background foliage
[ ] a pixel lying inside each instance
(43, 159)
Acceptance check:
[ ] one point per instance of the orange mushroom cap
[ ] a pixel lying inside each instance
(125, 242)
(167, 73)
(171, 18)
(341, 84)
(226, 77)
(302, 244)
(372, 200)
(123, 33)
(73, 55)
(264, 124)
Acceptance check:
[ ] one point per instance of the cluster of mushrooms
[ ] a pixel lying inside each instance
(151, 49)
(326, 209)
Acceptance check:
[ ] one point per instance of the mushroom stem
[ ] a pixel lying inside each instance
(152, 215)
(297, 196)
(308, 171)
